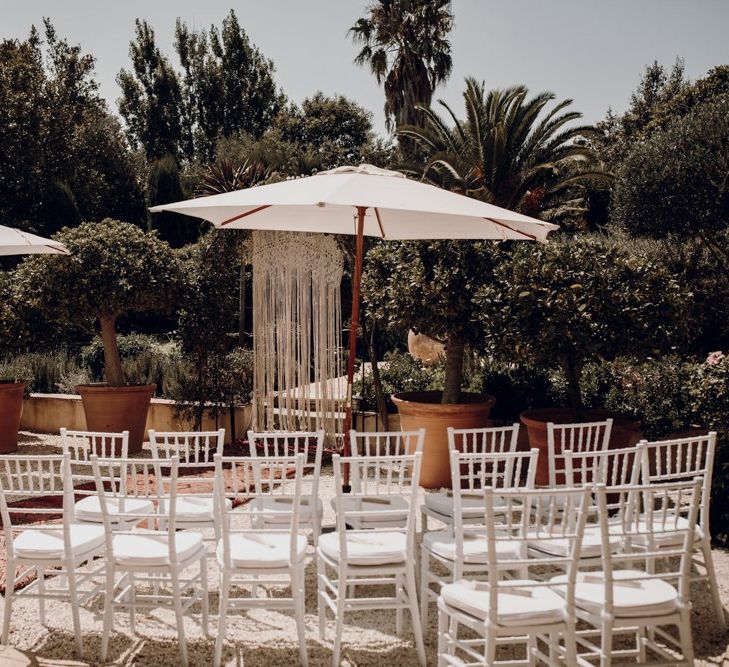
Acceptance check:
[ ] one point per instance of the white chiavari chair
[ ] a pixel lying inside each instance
(252, 556)
(384, 443)
(27, 484)
(610, 467)
(523, 611)
(159, 558)
(681, 459)
(348, 559)
(580, 438)
(489, 440)
(195, 451)
(459, 551)
(288, 443)
(81, 445)
(638, 605)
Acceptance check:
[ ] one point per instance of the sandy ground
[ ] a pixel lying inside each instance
(262, 637)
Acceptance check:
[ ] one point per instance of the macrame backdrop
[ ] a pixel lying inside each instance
(297, 321)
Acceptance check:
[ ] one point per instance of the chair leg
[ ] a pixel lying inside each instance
(205, 601)
(222, 613)
(400, 595)
(339, 625)
(412, 594)
(132, 602)
(606, 645)
(684, 631)
(9, 594)
(711, 578)
(570, 643)
(40, 574)
(179, 616)
(298, 590)
(424, 587)
(108, 612)
(73, 595)
(321, 604)
(442, 645)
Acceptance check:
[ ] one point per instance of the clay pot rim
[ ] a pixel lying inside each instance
(102, 387)
(539, 417)
(430, 401)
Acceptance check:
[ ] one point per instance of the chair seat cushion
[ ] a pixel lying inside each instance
(196, 509)
(518, 604)
(639, 596)
(591, 544)
(149, 547)
(48, 545)
(278, 509)
(377, 505)
(89, 508)
(367, 547)
(472, 504)
(261, 549)
(443, 544)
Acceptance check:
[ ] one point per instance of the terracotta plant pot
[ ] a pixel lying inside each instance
(11, 407)
(424, 410)
(116, 409)
(625, 432)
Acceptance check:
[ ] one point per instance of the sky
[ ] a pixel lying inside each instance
(591, 51)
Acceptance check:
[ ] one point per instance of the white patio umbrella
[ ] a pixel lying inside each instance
(362, 201)
(15, 242)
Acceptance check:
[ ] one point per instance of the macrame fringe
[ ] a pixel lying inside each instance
(297, 321)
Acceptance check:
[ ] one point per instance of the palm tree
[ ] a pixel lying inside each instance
(511, 150)
(405, 43)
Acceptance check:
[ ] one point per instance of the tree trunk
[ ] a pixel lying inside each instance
(112, 362)
(376, 380)
(573, 371)
(453, 372)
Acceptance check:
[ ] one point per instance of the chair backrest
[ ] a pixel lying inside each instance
(254, 478)
(289, 443)
(33, 480)
(81, 445)
(513, 521)
(375, 479)
(159, 484)
(670, 510)
(497, 470)
(584, 437)
(492, 439)
(193, 448)
(386, 443)
(611, 467)
(682, 459)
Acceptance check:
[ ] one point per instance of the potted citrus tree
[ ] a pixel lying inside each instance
(429, 287)
(570, 302)
(115, 268)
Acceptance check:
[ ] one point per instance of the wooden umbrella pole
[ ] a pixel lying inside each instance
(353, 327)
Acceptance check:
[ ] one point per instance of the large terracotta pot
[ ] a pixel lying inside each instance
(11, 407)
(625, 432)
(424, 410)
(116, 409)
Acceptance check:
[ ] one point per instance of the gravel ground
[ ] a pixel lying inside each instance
(261, 637)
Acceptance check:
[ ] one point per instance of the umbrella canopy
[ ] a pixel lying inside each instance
(15, 242)
(397, 208)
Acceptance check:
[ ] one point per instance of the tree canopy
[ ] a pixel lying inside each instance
(58, 135)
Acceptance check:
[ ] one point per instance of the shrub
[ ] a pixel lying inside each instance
(570, 302)
(129, 345)
(399, 371)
